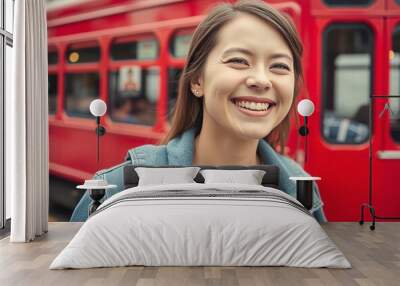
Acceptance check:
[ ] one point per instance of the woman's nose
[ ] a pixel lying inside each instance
(259, 80)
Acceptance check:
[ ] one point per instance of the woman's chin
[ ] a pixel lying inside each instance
(253, 133)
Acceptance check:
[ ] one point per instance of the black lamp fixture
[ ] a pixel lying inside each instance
(304, 185)
(305, 108)
(97, 187)
(98, 108)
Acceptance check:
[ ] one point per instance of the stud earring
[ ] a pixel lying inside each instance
(196, 92)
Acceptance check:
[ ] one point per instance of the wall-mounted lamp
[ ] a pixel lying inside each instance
(98, 108)
(97, 188)
(305, 108)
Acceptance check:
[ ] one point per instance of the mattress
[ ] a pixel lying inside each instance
(201, 225)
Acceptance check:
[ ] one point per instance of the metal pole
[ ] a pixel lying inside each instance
(371, 131)
(306, 137)
(98, 136)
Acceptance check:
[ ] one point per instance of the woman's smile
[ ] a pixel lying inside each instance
(251, 108)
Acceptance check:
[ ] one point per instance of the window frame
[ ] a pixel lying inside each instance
(86, 44)
(179, 32)
(134, 38)
(175, 63)
(74, 68)
(53, 73)
(114, 65)
(115, 68)
(2, 137)
(331, 26)
(51, 48)
(350, 5)
(169, 112)
(67, 72)
(6, 39)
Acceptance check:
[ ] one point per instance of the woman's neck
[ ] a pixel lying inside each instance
(213, 147)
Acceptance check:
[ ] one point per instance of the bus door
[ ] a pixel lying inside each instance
(346, 65)
(386, 164)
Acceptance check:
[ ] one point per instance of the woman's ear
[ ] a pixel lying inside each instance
(196, 87)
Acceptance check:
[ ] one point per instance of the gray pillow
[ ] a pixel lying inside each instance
(249, 177)
(162, 176)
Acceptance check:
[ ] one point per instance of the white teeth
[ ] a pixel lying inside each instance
(253, 105)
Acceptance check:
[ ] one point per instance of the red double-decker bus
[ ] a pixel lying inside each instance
(131, 53)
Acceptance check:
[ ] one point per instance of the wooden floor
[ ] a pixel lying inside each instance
(374, 255)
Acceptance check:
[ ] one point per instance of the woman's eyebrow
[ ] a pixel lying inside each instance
(248, 52)
(240, 50)
(281, 55)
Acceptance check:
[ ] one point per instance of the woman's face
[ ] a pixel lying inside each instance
(250, 63)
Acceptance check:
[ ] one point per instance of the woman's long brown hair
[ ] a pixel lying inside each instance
(188, 111)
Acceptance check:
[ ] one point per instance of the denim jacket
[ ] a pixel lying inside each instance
(179, 151)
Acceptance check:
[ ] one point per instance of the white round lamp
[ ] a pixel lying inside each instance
(305, 107)
(98, 107)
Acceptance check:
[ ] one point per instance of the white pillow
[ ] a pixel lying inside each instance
(249, 177)
(163, 176)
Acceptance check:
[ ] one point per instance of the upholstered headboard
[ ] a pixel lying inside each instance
(270, 179)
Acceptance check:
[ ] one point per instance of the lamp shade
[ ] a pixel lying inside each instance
(305, 107)
(98, 107)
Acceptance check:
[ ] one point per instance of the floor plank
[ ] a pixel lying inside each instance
(374, 255)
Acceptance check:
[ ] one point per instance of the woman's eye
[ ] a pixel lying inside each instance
(238, 60)
(282, 66)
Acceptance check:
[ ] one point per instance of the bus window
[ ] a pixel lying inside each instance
(346, 84)
(87, 52)
(348, 2)
(179, 46)
(173, 83)
(129, 48)
(52, 85)
(394, 110)
(134, 93)
(52, 55)
(80, 90)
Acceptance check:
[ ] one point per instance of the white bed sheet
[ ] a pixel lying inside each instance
(195, 231)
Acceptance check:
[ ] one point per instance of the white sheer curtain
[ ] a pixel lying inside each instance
(27, 124)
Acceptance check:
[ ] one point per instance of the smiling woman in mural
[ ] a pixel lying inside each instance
(237, 93)
(239, 83)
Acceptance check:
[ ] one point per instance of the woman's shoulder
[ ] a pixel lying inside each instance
(148, 154)
(295, 169)
(144, 155)
(287, 165)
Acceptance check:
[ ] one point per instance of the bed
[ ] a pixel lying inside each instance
(201, 223)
